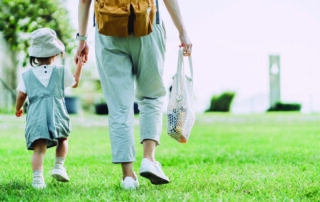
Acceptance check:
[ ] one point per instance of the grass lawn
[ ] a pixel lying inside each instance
(228, 158)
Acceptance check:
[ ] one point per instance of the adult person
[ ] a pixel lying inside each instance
(119, 61)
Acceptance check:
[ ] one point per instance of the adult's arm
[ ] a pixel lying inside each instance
(174, 11)
(83, 16)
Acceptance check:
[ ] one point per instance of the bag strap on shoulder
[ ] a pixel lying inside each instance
(94, 18)
(157, 14)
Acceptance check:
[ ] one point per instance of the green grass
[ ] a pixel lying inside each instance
(268, 157)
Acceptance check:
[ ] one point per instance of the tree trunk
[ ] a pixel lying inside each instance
(8, 69)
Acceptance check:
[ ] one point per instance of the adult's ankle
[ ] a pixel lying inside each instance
(133, 175)
(150, 158)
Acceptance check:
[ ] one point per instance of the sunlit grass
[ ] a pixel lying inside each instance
(228, 157)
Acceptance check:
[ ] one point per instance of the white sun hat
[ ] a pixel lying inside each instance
(44, 43)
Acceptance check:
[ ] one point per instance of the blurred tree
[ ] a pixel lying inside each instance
(279, 106)
(18, 18)
(221, 103)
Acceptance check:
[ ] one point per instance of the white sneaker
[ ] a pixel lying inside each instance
(129, 183)
(153, 171)
(38, 184)
(60, 174)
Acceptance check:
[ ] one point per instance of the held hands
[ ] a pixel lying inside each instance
(77, 73)
(19, 113)
(186, 44)
(80, 58)
(82, 52)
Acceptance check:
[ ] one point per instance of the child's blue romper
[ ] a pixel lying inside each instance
(47, 117)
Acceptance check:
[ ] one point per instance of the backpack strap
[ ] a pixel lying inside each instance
(94, 19)
(157, 14)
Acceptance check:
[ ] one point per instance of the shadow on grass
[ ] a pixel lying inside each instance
(14, 185)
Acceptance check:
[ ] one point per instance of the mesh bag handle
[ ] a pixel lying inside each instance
(181, 74)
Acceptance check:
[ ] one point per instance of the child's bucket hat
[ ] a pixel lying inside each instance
(44, 43)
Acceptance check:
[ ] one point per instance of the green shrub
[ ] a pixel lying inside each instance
(279, 106)
(221, 103)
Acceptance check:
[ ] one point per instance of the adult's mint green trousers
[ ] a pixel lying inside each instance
(129, 68)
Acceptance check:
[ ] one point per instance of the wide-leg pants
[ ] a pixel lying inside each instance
(121, 61)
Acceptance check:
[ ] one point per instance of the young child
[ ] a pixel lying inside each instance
(47, 122)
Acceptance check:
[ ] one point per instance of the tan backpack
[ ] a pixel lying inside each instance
(123, 17)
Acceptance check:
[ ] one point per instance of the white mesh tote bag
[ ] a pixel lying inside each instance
(180, 112)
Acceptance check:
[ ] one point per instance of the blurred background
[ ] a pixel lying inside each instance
(249, 56)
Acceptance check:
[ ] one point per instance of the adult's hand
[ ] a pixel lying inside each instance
(83, 15)
(82, 52)
(174, 11)
(186, 44)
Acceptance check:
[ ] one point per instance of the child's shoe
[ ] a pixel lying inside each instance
(60, 174)
(38, 184)
(38, 181)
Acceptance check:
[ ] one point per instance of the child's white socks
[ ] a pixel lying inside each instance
(37, 175)
(58, 163)
(58, 171)
(38, 180)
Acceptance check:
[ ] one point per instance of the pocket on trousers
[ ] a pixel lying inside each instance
(112, 20)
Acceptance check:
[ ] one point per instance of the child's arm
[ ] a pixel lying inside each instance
(20, 101)
(77, 74)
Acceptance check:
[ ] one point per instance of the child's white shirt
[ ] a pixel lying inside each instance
(43, 74)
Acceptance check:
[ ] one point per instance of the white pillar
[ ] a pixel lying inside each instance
(274, 82)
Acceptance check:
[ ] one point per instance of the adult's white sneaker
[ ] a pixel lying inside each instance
(60, 174)
(153, 172)
(129, 183)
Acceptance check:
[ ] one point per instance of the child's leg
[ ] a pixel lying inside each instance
(58, 171)
(61, 152)
(40, 148)
(62, 148)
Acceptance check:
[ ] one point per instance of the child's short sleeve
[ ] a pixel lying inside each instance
(69, 79)
(21, 86)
